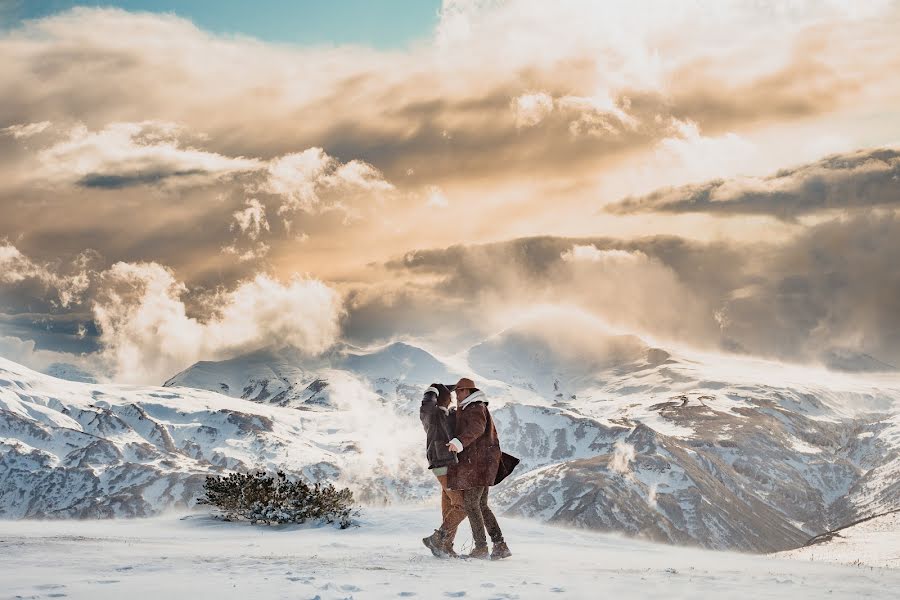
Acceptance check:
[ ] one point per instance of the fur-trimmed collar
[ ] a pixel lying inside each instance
(476, 396)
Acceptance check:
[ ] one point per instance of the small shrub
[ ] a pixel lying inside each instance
(262, 498)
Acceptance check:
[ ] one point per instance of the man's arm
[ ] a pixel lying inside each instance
(470, 424)
(429, 405)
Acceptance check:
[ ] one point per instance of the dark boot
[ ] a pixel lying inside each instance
(500, 550)
(480, 552)
(435, 543)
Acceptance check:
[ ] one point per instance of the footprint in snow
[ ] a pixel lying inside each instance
(557, 589)
(406, 594)
(350, 588)
(454, 594)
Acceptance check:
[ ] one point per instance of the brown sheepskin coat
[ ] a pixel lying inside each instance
(480, 458)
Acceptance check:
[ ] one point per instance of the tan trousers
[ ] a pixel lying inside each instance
(452, 509)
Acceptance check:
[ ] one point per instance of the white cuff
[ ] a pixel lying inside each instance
(456, 444)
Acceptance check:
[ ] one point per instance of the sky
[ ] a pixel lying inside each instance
(383, 24)
(183, 186)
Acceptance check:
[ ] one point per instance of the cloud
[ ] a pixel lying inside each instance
(830, 290)
(26, 352)
(69, 287)
(390, 110)
(145, 324)
(132, 154)
(328, 135)
(531, 109)
(253, 253)
(349, 146)
(251, 220)
(858, 180)
(313, 181)
(25, 130)
(486, 288)
(146, 334)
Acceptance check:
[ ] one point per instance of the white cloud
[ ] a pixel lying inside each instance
(26, 353)
(697, 156)
(16, 267)
(531, 109)
(25, 130)
(252, 220)
(597, 115)
(147, 335)
(255, 252)
(133, 153)
(592, 254)
(313, 181)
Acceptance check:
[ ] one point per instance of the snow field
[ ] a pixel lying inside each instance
(197, 557)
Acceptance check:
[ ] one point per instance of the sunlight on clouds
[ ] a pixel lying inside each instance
(193, 162)
(26, 130)
(123, 154)
(436, 197)
(530, 109)
(312, 181)
(146, 334)
(251, 220)
(69, 288)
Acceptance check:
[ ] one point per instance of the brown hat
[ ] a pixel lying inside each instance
(465, 384)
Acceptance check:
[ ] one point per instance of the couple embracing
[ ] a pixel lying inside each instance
(463, 452)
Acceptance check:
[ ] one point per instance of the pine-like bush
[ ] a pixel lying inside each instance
(262, 498)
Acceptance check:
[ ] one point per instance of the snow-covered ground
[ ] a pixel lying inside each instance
(872, 543)
(197, 557)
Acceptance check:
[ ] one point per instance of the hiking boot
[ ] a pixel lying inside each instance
(447, 548)
(479, 552)
(435, 543)
(500, 550)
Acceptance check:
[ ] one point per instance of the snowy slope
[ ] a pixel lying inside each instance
(727, 453)
(874, 542)
(196, 557)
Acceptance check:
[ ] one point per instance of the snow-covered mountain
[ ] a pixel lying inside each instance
(70, 449)
(288, 377)
(614, 435)
(732, 454)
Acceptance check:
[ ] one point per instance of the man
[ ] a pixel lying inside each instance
(478, 451)
(438, 418)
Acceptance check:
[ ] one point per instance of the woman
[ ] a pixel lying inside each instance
(438, 418)
(478, 450)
